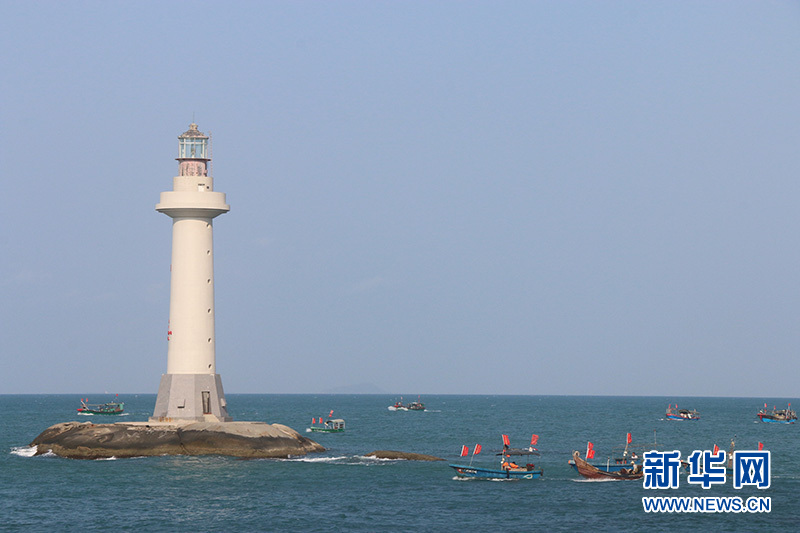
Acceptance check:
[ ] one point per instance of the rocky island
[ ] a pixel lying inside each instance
(250, 440)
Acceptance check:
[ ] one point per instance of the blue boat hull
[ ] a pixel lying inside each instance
(488, 473)
(771, 421)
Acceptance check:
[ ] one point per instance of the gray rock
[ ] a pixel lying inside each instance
(389, 454)
(84, 440)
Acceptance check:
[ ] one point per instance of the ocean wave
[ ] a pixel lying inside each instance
(24, 451)
(316, 459)
(378, 459)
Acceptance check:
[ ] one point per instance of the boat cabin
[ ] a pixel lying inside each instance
(336, 424)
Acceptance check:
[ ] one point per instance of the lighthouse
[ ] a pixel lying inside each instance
(191, 389)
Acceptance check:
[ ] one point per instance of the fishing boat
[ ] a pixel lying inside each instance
(673, 413)
(622, 457)
(399, 406)
(335, 425)
(108, 408)
(416, 405)
(778, 416)
(509, 469)
(331, 425)
(590, 471)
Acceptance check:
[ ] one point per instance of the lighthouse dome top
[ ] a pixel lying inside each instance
(193, 132)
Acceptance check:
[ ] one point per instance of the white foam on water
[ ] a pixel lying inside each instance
(24, 451)
(378, 459)
(316, 459)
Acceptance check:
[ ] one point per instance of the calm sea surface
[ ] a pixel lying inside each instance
(341, 490)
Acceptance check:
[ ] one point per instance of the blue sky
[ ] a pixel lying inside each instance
(426, 197)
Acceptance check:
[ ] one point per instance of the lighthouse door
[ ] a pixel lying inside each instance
(206, 402)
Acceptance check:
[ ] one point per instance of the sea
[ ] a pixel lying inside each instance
(343, 490)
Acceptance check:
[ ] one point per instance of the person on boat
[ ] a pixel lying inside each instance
(508, 464)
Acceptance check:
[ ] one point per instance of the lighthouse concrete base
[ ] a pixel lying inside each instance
(192, 397)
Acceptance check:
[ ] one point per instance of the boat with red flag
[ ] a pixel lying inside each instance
(108, 408)
(509, 469)
(589, 471)
(622, 457)
(415, 405)
(777, 416)
(331, 425)
(673, 413)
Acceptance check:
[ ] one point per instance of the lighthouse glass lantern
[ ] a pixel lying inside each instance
(193, 152)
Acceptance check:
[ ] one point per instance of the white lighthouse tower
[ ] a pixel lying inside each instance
(191, 389)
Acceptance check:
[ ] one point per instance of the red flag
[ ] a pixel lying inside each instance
(589, 450)
(464, 451)
(760, 446)
(590, 455)
(477, 449)
(506, 440)
(331, 413)
(534, 439)
(716, 449)
(313, 420)
(629, 438)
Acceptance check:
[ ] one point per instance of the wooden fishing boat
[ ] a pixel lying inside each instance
(529, 472)
(778, 416)
(416, 406)
(621, 456)
(331, 425)
(509, 469)
(589, 471)
(108, 408)
(398, 406)
(673, 413)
